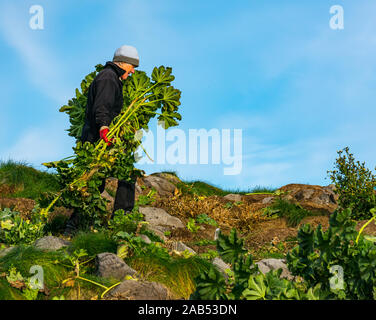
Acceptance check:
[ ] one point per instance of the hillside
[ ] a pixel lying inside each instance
(165, 243)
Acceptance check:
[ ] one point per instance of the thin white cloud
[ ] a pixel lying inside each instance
(38, 145)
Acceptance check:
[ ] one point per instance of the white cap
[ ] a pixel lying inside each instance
(127, 54)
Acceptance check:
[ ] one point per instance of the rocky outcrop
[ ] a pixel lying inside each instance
(318, 199)
(163, 187)
(160, 220)
(109, 265)
(315, 198)
(50, 243)
(168, 176)
(138, 290)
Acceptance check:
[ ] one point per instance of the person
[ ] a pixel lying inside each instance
(104, 103)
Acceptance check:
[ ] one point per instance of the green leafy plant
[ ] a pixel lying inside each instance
(125, 222)
(191, 225)
(341, 246)
(15, 230)
(144, 200)
(205, 219)
(354, 185)
(16, 280)
(209, 255)
(75, 262)
(245, 280)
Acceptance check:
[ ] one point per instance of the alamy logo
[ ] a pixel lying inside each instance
(337, 21)
(37, 280)
(336, 282)
(224, 147)
(37, 20)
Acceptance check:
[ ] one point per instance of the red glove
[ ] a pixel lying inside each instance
(103, 135)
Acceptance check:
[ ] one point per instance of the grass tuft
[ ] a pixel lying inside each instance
(93, 243)
(177, 274)
(24, 181)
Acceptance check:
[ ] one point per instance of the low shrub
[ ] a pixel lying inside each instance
(354, 184)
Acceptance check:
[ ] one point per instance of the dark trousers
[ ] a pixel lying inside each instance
(124, 199)
(125, 195)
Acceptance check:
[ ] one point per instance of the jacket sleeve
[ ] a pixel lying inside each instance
(104, 101)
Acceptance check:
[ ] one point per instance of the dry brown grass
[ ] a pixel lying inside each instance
(240, 216)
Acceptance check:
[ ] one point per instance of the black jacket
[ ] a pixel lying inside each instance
(104, 103)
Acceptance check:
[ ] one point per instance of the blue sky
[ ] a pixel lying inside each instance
(299, 90)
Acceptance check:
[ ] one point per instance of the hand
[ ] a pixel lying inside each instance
(103, 135)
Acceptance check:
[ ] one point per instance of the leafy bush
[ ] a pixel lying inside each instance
(318, 253)
(245, 280)
(125, 222)
(15, 230)
(354, 185)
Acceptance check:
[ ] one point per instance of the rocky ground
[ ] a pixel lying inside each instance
(267, 238)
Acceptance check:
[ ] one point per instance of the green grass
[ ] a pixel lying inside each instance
(22, 258)
(202, 188)
(174, 173)
(177, 274)
(27, 181)
(261, 189)
(55, 270)
(93, 243)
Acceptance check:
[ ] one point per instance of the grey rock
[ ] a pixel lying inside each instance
(162, 185)
(109, 265)
(170, 177)
(159, 218)
(139, 290)
(221, 266)
(233, 197)
(181, 247)
(50, 243)
(145, 238)
(267, 265)
(267, 200)
(157, 231)
(5, 251)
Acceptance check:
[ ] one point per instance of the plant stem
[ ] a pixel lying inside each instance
(365, 225)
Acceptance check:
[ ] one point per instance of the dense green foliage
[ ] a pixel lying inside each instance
(354, 184)
(319, 252)
(16, 230)
(244, 280)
